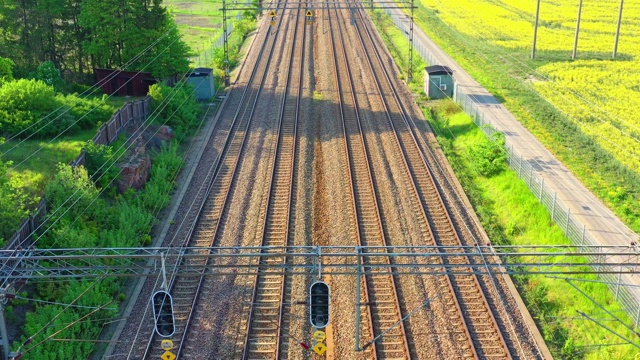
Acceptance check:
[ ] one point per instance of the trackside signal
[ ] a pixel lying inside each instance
(319, 293)
(163, 313)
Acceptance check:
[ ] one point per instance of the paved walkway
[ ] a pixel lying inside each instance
(596, 221)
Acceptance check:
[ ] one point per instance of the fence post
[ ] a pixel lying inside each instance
(553, 207)
(541, 189)
(638, 316)
(618, 285)
(566, 231)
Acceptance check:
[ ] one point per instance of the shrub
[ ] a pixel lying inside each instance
(31, 104)
(48, 73)
(89, 113)
(489, 155)
(71, 192)
(32, 107)
(6, 69)
(11, 208)
(177, 106)
(100, 164)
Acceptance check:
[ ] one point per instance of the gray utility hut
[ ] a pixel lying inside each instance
(438, 82)
(202, 81)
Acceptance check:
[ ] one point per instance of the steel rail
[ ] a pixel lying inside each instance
(468, 297)
(456, 318)
(386, 317)
(265, 319)
(186, 289)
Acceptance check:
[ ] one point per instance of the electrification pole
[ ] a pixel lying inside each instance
(615, 44)
(226, 43)
(535, 31)
(410, 75)
(575, 41)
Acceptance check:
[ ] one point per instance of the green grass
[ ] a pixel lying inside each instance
(37, 170)
(199, 22)
(512, 215)
(119, 101)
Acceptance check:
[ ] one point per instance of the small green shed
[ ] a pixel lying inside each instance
(202, 81)
(438, 82)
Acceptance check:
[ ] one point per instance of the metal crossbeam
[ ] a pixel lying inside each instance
(303, 260)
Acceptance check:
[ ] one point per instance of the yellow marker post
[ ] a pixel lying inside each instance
(168, 355)
(272, 13)
(320, 348)
(166, 344)
(319, 336)
(309, 17)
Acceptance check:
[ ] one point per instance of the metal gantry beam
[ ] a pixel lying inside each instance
(304, 260)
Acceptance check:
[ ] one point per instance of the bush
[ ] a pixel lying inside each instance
(48, 73)
(177, 106)
(489, 155)
(34, 107)
(128, 226)
(100, 164)
(89, 113)
(6, 69)
(71, 192)
(11, 209)
(31, 104)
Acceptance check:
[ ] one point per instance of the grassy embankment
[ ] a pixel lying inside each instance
(512, 215)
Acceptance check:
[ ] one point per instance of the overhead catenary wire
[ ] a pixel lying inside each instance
(155, 211)
(59, 314)
(408, 119)
(91, 89)
(55, 302)
(466, 44)
(129, 144)
(171, 242)
(524, 70)
(458, 106)
(88, 112)
(66, 327)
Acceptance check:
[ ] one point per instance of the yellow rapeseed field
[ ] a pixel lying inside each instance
(600, 94)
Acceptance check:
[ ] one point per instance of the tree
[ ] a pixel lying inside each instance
(121, 29)
(6, 69)
(50, 75)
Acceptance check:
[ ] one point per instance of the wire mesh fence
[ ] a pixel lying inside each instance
(205, 58)
(622, 286)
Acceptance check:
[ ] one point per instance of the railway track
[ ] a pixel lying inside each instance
(472, 314)
(185, 289)
(265, 331)
(383, 315)
(266, 335)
